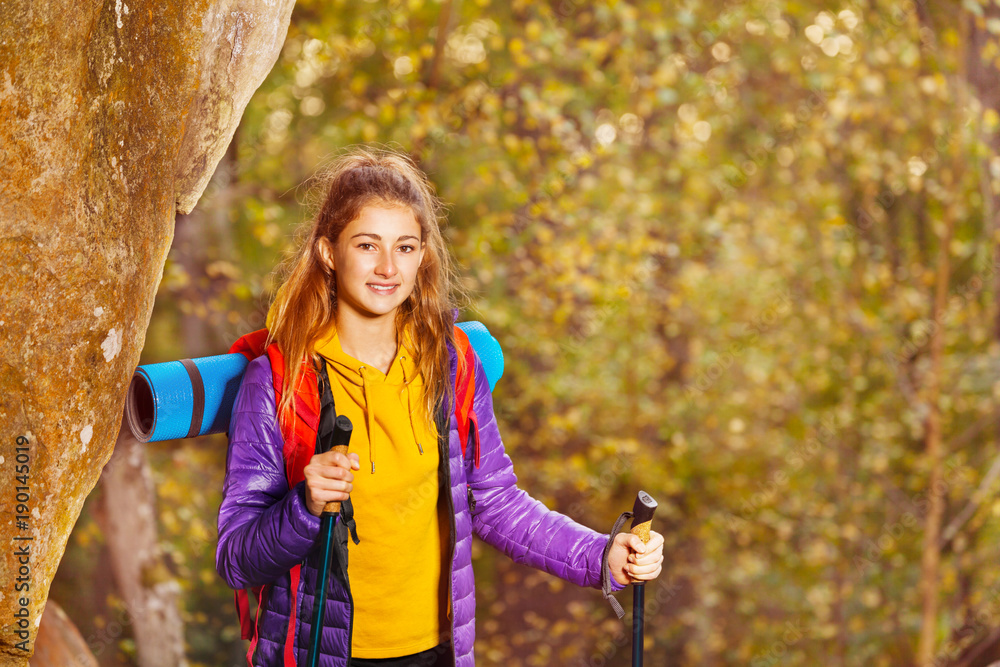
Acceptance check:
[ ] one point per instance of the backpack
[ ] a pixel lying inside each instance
(299, 433)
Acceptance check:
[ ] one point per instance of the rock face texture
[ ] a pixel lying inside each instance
(59, 643)
(113, 116)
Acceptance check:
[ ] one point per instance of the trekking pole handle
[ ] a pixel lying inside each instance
(342, 429)
(642, 516)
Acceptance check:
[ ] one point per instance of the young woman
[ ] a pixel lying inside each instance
(368, 305)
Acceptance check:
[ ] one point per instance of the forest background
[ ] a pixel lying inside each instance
(741, 255)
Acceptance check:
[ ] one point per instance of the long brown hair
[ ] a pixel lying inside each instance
(306, 304)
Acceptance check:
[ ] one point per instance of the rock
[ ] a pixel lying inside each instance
(112, 116)
(59, 643)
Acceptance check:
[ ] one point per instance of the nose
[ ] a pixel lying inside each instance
(386, 265)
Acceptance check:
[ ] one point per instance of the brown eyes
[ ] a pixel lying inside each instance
(369, 246)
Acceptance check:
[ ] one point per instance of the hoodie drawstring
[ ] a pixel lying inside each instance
(409, 406)
(370, 409)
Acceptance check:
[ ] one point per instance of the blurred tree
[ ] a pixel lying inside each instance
(142, 579)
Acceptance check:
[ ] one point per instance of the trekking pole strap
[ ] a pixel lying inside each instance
(347, 518)
(606, 571)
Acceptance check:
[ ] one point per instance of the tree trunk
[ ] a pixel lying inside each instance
(980, 75)
(444, 25)
(206, 228)
(930, 561)
(190, 255)
(128, 521)
(984, 76)
(112, 117)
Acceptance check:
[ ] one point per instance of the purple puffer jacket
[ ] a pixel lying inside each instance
(265, 528)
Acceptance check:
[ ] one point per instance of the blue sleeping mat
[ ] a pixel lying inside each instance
(192, 397)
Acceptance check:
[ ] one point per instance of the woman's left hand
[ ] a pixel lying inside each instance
(631, 560)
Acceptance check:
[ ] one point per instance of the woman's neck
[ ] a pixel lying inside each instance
(369, 340)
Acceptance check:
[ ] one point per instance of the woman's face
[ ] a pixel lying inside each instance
(375, 259)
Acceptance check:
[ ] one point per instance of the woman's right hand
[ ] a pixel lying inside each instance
(329, 478)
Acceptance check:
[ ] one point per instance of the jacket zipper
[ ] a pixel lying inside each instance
(444, 439)
(350, 623)
(445, 463)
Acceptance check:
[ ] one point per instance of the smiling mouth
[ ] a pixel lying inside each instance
(382, 289)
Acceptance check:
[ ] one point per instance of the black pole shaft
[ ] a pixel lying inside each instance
(336, 436)
(326, 540)
(638, 611)
(642, 517)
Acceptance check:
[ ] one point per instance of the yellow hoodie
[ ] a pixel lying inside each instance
(395, 570)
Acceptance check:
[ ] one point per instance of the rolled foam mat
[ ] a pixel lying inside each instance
(183, 399)
(488, 349)
(192, 397)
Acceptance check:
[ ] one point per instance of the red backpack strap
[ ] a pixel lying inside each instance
(298, 432)
(243, 611)
(250, 630)
(290, 635)
(465, 394)
(298, 429)
(250, 345)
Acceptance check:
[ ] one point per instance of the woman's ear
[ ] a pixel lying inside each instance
(324, 249)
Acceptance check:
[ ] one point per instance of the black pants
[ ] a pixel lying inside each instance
(439, 656)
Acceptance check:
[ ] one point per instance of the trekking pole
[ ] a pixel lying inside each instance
(341, 437)
(642, 518)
